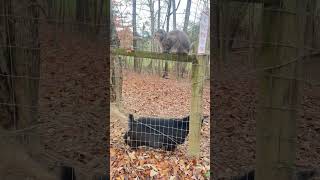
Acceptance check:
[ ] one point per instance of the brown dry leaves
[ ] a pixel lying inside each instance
(150, 95)
(156, 164)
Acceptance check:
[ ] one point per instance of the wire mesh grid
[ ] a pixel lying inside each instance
(157, 132)
(149, 125)
(154, 129)
(153, 92)
(52, 103)
(239, 33)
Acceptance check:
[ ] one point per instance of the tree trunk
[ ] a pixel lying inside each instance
(100, 15)
(186, 17)
(115, 69)
(159, 14)
(166, 66)
(168, 15)
(152, 18)
(134, 25)
(50, 7)
(61, 12)
(216, 24)
(95, 16)
(224, 30)
(239, 11)
(174, 15)
(82, 14)
(174, 27)
(79, 13)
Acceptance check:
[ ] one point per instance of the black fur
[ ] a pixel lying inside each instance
(157, 133)
(67, 173)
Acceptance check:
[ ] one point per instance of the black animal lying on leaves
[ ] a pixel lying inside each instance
(158, 133)
(299, 175)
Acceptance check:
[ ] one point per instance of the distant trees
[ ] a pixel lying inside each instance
(186, 16)
(156, 20)
(88, 13)
(134, 32)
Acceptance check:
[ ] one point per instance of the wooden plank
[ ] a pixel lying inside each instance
(155, 55)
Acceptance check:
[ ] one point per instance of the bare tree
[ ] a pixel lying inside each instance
(186, 17)
(82, 12)
(134, 27)
(159, 13)
(152, 19)
(166, 66)
(174, 15)
(152, 16)
(168, 14)
(237, 14)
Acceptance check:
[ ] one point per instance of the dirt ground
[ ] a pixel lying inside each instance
(73, 99)
(234, 96)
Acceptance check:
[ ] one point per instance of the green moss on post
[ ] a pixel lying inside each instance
(155, 55)
(196, 105)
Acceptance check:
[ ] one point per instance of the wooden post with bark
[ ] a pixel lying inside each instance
(279, 96)
(116, 77)
(196, 104)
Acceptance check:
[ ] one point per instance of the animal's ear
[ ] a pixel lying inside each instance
(131, 119)
(186, 118)
(125, 136)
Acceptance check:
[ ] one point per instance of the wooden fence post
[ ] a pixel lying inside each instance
(196, 105)
(280, 91)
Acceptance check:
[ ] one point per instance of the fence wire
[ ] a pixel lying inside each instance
(235, 81)
(154, 95)
(52, 89)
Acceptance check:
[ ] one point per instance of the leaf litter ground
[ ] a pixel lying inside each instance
(151, 96)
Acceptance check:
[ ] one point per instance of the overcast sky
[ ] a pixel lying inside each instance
(143, 13)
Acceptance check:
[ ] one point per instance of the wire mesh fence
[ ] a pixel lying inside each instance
(52, 89)
(161, 119)
(151, 120)
(157, 132)
(240, 66)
